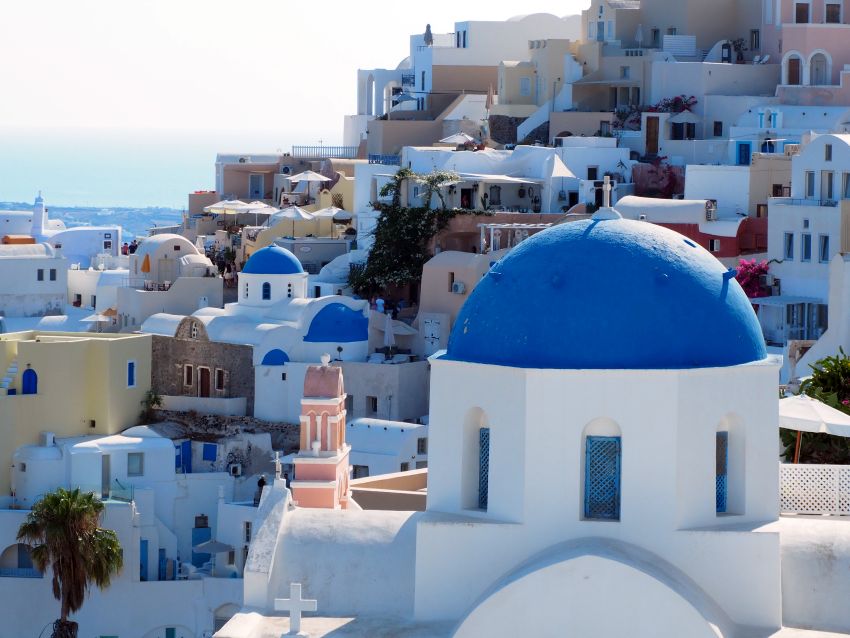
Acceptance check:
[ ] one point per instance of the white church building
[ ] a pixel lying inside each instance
(602, 462)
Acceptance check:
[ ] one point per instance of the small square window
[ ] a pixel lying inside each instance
(136, 464)
(805, 223)
(52, 274)
(39, 275)
(283, 376)
(404, 467)
(718, 129)
(177, 247)
(592, 173)
(107, 245)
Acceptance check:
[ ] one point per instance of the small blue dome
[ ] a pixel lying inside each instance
(273, 260)
(607, 294)
(337, 323)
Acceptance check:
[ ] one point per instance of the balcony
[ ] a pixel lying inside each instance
(408, 79)
(322, 152)
(387, 160)
(793, 201)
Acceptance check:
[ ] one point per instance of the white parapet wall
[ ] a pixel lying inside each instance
(814, 489)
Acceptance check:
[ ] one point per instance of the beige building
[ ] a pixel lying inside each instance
(70, 384)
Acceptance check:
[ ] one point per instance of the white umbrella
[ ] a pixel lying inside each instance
(805, 414)
(308, 177)
(212, 547)
(227, 206)
(258, 207)
(457, 138)
(389, 335)
(336, 214)
(291, 212)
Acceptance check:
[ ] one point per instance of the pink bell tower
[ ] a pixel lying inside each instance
(321, 465)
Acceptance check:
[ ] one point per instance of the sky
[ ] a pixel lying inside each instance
(126, 102)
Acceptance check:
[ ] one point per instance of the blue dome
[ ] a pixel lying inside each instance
(337, 323)
(273, 260)
(607, 294)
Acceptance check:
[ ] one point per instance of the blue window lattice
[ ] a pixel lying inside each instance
(602, 478)
(721, 473)
(483, 466)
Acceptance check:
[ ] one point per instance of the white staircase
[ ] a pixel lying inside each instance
(9, 378)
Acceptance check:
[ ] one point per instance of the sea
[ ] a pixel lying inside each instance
(138, 178)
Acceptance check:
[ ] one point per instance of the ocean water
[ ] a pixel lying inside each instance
(111, 167)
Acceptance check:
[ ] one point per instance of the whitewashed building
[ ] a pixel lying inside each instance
(34, 281)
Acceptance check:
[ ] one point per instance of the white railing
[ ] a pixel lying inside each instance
(814, 489)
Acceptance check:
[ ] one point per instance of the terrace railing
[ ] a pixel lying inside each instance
(814, 489)
(389, 160)
(321, 152)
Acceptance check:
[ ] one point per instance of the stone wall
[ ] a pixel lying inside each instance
(212, 428)
(170, 355)
(503, 128)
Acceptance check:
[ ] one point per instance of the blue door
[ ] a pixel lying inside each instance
(30, 382)
(483, 466)
(721, 472)
(143, 559)
(744, 153)
(602, 478)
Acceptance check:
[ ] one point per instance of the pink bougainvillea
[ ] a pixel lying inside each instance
(749, 276)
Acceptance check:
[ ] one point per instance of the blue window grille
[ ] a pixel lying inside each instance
(267, 291)
(131, 374)
(483, 466)
(602, 478)
(721, 473)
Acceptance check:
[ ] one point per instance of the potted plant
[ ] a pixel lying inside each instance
(739, 48)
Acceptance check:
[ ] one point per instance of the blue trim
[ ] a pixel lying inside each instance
(143, 559)
(483, 467)
(186, 456)
(337, 323)
(210, 452)
(602, 478)
(276, 357)
(131, 374)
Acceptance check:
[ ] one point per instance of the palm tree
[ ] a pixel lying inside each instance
(64, 532)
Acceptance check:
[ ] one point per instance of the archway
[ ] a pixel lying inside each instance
(818, 70)
(16, 560)
(792, 70)
(275, 357)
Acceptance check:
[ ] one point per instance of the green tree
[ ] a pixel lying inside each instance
(63, 529)
(830, 384)
(403, 233)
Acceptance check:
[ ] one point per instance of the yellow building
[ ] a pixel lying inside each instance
(71, 384)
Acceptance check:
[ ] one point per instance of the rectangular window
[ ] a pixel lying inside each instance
(801, 13)
(39, 275)
(592, 173)
(672, 31)
(209, 452)
(373, 404)
(826, 189)
(247, 531)
(845, 186)
(483, 467)
(806, 248)
(755, 40)
(219, 379)
(833, 13)
(805, 223)
(714, 245)
(789, 246)
(827, 152)
(170, 632)
(625, 72)
(810, 184)
(602, 478)
(349, 403)
(721, 452)
(422, 81)
(404, 467)
(188, 375)
(718, 129)
(422, 446)
(231, 557)
(135, 464)
(823, 249)
(52, 274)
(131, 374)
(451, 281)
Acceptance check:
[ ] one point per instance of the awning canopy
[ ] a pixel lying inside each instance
(499, 179)
(805, 414)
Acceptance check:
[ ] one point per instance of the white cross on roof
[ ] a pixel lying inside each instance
(294, 605)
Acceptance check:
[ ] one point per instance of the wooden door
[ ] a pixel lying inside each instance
(203, 382)
(652, 136)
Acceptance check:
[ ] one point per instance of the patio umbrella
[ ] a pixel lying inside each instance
(212, 547)
(309, 177)
(258, 207)
(458, 138)
(227, 206)
(805, 414)
(291, 212)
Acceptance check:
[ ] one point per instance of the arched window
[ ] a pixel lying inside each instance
(16, 560)
(289, 291)
(603, 453)
(267, 291)
(476, 460)
(29, 382)
(729, 464)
